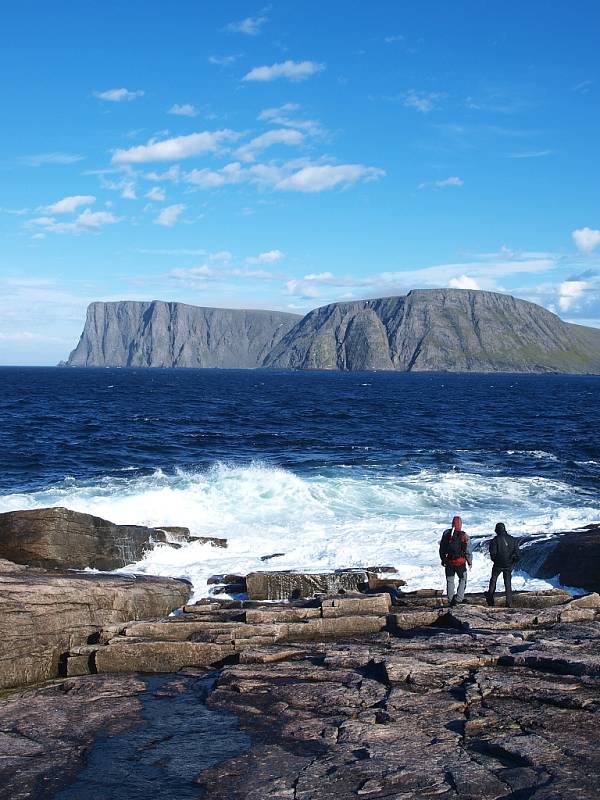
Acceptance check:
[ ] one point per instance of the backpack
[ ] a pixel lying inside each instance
(455, 546)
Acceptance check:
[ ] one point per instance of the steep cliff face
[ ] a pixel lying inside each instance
(158, 334)
(452, 330)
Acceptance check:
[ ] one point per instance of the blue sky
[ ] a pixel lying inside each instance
(289, 155)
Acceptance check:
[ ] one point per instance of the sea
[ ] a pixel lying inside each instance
(324, 469)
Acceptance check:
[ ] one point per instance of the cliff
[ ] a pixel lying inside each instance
(452, 330)
(158, 334)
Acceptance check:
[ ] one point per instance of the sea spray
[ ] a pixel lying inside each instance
(321, 520)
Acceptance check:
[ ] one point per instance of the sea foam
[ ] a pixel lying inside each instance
(341, 517)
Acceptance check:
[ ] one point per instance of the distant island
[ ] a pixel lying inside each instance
(451, 330)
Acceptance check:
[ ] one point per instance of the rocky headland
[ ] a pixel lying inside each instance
(452, 330)
(371, 691)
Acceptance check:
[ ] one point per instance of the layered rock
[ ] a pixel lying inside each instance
(464, 703)
(451, 330)
(65, 539)
(45, 616)
(287, 585)
(159, 334)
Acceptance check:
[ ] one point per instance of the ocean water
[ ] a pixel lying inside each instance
(330, 469)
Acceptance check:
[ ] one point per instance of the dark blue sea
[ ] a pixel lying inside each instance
(331, 469)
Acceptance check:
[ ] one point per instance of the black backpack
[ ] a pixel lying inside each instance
(455, 545)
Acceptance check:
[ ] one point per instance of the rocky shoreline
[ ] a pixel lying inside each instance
(340, 694)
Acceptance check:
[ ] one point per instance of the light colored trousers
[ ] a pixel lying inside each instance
(451, 590)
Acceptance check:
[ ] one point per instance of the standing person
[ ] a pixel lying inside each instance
(455, 554)
(505, 553)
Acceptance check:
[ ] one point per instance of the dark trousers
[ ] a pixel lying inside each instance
(506, 574)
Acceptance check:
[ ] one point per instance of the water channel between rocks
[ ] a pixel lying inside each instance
(176, 738)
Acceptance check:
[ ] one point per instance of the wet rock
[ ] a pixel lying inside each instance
(158, 656)
(44, 615)
(213, 541)
(573, 557)
(273, 555)
(64, 539)
(291, 585)
(47, 731)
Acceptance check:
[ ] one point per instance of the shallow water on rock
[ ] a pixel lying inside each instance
(161, 757)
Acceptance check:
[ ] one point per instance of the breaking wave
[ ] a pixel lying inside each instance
(339, 517)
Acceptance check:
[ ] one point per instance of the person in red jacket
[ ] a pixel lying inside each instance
(455, 555)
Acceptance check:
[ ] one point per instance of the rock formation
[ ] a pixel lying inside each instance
(59, 537)
(452, 330)
(573, 557)
(46, 616)
(341, 697)
(158, 334)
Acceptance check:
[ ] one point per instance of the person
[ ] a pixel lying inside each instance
(455, 555)
(505, 553)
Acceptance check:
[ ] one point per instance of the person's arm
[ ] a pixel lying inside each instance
(443, 549)
(468, 551)
(516, 554)
(493, 549)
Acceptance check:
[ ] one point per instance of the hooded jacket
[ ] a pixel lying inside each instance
(504, 549)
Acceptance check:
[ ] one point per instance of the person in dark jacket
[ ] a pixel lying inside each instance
(455, 554)
(505, 553)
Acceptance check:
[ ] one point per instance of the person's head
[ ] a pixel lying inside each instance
(457, 523)
(500, 529)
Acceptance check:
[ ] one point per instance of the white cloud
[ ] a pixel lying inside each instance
(128, 191)
(156, 194)
(269, 257)
(292, 70)
(287, 136)
(531, 154)
(394, 38)
(570, 292)
(174, 149)
(222, 61)
(41, 159)
(223, 256)
(70, 204)
(283, 115)
(118, 95)
(297, 288)
(463, 282)
(169, 215)
(251, 26)
(421, 101)
(87, 221)
(322, 177)
(289, 177)
(183, 110)
(454, 180)
(586, 239)
(320, 277)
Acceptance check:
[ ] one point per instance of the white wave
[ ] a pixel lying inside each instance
(350, 517)
(543, 455)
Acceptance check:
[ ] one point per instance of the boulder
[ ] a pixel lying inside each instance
(44, 615)
(65, 539)
(293, 585)
(572, 557)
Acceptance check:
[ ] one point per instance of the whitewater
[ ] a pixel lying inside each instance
(348, 517)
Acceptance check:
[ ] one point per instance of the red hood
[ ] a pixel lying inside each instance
(457, 523)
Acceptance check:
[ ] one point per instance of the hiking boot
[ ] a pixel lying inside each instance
(489, 599)
(453, 602)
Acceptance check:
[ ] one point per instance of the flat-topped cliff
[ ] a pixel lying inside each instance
(159, 334)
(453, 330)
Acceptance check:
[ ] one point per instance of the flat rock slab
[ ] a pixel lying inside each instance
(293, 585)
